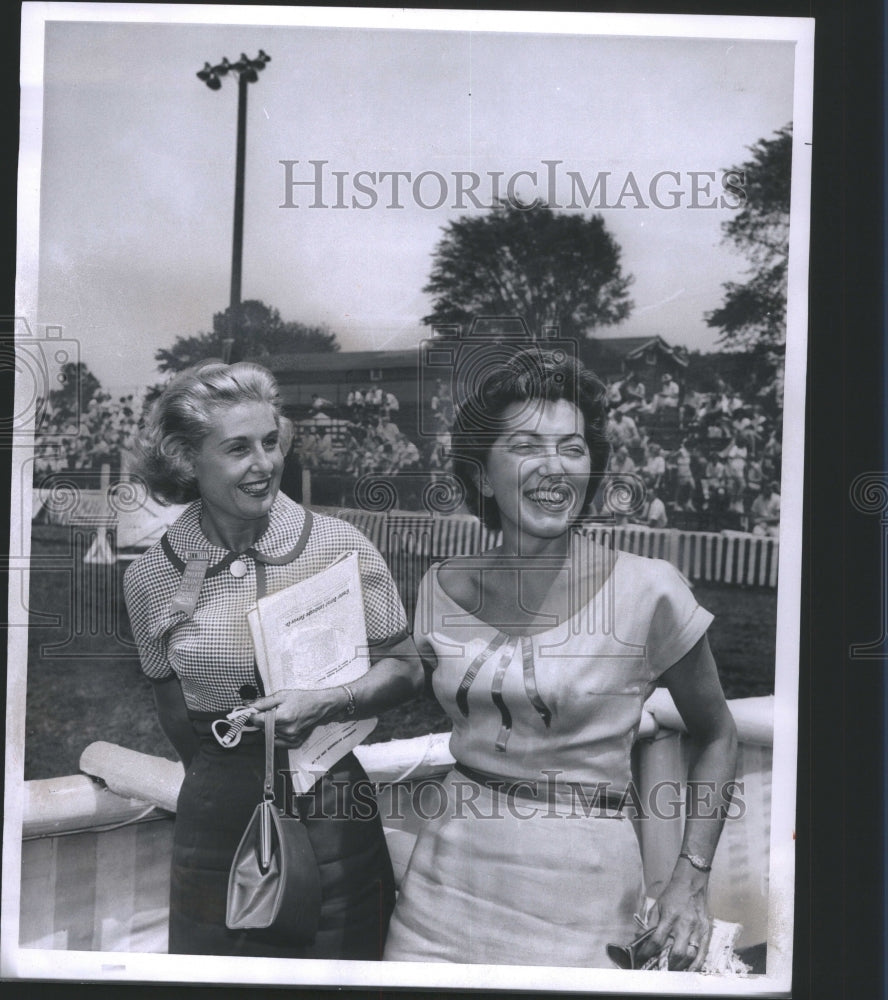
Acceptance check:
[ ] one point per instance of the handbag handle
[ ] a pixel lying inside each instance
(268, 793)
(267, 796)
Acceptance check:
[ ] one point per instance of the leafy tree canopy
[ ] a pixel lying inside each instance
(753, 313)
(551, 269)
(259, 332)
(77, 386)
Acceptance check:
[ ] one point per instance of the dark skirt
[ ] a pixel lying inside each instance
(221, 789)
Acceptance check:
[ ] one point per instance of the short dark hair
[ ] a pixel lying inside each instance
(182, 416)
(532, 374)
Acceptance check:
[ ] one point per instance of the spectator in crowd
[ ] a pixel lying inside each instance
(614, 395)
(714, 481)
(667, 397)
(684, 479)
(622, 430)
(655, 465)
(390, 403)
(634, 393)
(386, 428)
(743, 430)
(308, 448)
(325, 450)
(621, 463)
(319, 403)
(765, 512)
(718, 425)
(759, 421)
(753, 481)
(695, 407)
(653, 510)
(439, 456)
(771, 455)
(735, 456)
(407, 453)
(612, 498)
(698, 467)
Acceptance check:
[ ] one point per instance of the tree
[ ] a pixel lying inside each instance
(259, 333)
(753, 314)
(78, 386)
(548, 268)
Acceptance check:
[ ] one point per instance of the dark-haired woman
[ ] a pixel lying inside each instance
(214, 437)
(543, 651)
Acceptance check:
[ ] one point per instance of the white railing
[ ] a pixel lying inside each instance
(95, 871)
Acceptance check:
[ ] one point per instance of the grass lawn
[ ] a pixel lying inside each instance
(84, 682)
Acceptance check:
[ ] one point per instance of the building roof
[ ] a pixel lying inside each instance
(627, 348)
(600, 350)
(339, 361)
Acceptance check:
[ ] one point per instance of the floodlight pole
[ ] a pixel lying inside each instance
(237, 248)
(246, 70)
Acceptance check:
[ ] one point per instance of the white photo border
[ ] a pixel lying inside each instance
(19, 963)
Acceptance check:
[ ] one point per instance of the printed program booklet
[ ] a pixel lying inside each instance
(313, 635)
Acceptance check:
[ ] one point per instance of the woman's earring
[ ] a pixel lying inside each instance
(486, 488)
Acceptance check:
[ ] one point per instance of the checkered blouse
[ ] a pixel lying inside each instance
(212, 652)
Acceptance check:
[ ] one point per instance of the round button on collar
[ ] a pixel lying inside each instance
(238, 568)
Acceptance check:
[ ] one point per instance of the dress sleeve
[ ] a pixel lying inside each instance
(423, 619)
(152, 648)
(383, 610)
(678, 622)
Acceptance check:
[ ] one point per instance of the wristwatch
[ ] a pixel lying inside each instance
(352, 705)
(701, 864)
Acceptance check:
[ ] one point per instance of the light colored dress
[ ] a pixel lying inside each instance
(501, 879)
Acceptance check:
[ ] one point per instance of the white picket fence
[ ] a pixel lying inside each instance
(718, 557)
(132, 522)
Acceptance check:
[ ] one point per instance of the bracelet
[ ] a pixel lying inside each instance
(696, 861)
(352, 705)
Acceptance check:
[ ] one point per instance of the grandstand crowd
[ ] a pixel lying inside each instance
(707, 461)
(702, 461)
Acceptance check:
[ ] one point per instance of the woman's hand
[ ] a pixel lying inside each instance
(683, 924)
(394, 678)
(298, 711)
(695, 689)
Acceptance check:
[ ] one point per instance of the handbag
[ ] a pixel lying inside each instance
(274, 885)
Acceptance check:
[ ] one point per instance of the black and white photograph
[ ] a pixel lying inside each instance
(407, 492)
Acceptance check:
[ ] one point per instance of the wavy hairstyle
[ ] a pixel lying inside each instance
(532, 375)
(183, 415)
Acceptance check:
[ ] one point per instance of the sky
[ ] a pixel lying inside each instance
(137, 169)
